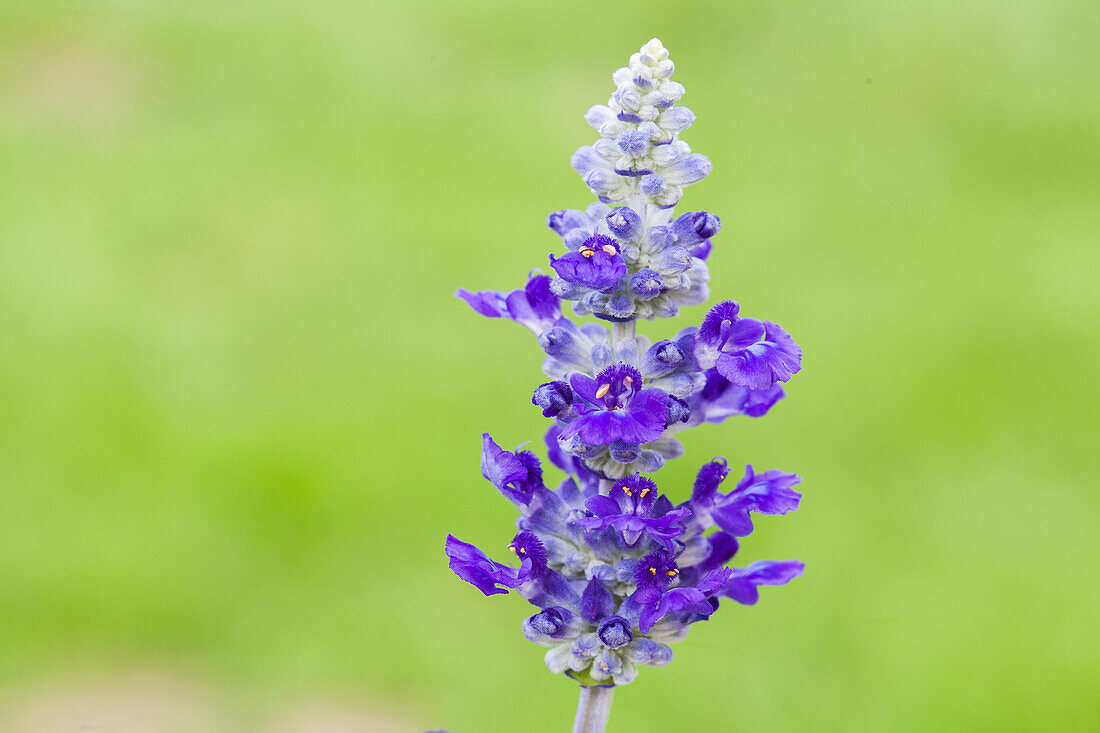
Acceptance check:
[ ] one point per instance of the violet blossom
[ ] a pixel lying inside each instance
(617, 570)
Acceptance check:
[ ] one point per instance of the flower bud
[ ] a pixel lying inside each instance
(553, 397)
(614, 632)
(624, 223)
(695, 226)
(646, 284)
(549, 621)
(678, 411)
(624, 452)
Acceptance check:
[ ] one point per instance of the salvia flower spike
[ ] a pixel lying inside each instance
(616, 570)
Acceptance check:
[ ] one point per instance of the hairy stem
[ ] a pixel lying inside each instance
(592, 709)
(622, 331)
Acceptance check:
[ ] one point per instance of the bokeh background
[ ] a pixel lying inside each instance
(240, 410)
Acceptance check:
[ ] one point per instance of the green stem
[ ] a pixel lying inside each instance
(593, 708)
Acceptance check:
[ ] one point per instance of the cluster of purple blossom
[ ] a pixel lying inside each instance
(616, 569)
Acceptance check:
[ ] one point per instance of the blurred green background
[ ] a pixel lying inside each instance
(240, 410)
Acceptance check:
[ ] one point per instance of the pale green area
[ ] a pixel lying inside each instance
(239, 409)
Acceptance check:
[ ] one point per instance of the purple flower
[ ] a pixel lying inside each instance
(722, 547)
(613, 407)
(534, 307)
(476, 568)
(489, 303)
(707, 480)
(529, 549)
(720, 399)
(767, 493)
(656, 570)
(747, 352)
(516, 475)
(597, 264)
(587, 481)
(687, 599)
(742, 584)
(535, 580)
(690, 601)
(633, 508)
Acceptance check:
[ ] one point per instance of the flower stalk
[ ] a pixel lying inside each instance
(621, 332)
(593, 709)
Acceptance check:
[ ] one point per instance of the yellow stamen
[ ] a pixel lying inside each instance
(511, 548)
(627, 491)
(628, 380)
(643, 492)
(587, 251)
(523, 550)
(609, 249)
(653, 571)
(604, 389)
(672, 573)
